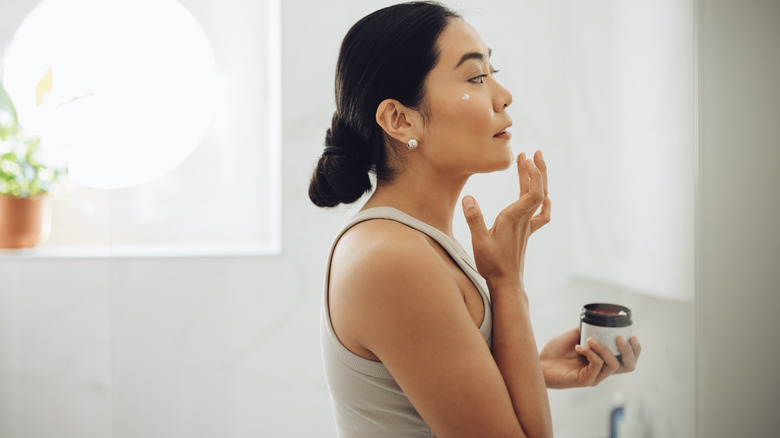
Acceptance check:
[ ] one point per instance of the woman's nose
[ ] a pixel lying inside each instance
(503, 98)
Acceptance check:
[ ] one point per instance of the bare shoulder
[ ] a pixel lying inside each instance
(380, 245)
(383, 255)
(382, 268)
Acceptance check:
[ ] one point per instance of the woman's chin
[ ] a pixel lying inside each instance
(500, 163)
(508, 159)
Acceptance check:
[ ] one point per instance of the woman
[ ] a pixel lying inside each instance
(412, 342)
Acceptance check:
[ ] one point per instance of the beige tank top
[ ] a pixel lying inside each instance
(366, 400)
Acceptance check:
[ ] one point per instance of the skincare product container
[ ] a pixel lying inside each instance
(604, 323)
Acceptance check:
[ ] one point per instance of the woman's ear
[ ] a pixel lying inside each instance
(398, 121)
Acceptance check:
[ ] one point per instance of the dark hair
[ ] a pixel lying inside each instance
(386, 55)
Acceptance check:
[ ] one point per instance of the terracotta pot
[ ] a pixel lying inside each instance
(24, 222)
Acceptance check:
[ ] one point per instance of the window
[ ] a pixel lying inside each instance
(224, 197)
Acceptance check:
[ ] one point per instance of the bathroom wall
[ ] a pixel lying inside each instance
(207, 347)
(738, 254)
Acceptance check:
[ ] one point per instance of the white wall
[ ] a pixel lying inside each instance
(211, 347)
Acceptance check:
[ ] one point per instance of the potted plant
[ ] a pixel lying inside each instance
(25, 181)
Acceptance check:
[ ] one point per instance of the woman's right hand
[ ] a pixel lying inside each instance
(499, 252)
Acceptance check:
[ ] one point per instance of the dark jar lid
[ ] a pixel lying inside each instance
(606, 315)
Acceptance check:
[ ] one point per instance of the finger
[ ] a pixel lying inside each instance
(542, 166)
(573, 333)
(535, 176)
(611, 363)
(522, 173)
(522, 210)
(543, 217)
(535, 195)
(474, 218)
(626, 354)
(595, 364)
(529, 201)
(635, 347)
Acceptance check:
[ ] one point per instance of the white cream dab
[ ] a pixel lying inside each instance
(465, 96)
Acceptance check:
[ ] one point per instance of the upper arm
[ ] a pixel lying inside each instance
(408, 311)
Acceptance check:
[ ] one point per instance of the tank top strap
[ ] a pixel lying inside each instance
(450, 245)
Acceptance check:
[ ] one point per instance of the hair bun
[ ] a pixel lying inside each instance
(341, 175)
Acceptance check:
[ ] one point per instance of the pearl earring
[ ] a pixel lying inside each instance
(412, 144)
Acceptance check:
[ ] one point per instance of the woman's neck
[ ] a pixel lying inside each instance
(427, 197)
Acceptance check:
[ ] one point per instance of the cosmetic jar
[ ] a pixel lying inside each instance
(604, 323)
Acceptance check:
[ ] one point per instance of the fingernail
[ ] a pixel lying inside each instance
(468, 202)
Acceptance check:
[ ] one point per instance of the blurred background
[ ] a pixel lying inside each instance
(185, 302)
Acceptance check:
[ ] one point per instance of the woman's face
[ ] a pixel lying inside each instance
(466, 128)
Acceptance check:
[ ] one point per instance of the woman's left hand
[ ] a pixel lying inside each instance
(566, 364)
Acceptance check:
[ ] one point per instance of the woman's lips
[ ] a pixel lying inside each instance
(506, 135)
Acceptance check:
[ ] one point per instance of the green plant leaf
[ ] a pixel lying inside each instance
(9, 120)
(21, 172)
(43, 88)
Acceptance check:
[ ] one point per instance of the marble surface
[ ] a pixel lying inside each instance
(55, 348)
(229, 347)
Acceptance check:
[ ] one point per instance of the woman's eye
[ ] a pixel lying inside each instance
(478, 79)
(481, 78)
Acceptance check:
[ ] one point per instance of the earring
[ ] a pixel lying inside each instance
(412, 144)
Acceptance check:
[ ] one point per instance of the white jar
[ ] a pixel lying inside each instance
(604, 323)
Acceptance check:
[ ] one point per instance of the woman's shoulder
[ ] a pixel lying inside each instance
(379, 241)
(377, 266)
(387, 255)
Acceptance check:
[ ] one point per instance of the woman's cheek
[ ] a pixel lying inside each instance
(465, 118)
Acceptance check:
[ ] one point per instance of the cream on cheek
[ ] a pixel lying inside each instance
(473, 115)
(465, 122)
(459, 116)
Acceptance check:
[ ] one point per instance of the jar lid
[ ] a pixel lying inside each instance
(606, 315)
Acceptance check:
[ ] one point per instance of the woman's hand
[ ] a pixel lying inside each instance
(500, 251)
(566, 364)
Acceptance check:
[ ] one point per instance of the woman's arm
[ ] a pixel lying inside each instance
(516, 354)
(500, 256)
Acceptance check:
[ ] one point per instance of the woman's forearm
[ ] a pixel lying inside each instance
(517, 357)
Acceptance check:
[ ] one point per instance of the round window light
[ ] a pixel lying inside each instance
(123, 90)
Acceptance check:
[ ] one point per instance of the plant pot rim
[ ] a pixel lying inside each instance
(32, 198)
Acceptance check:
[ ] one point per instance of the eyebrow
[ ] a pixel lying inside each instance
(473, 55)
